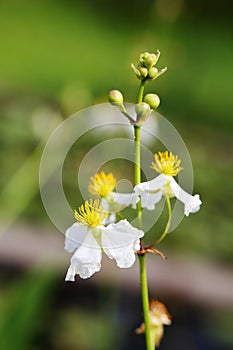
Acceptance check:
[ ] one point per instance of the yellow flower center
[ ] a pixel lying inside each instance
(90, 214)
(102, 184)
(166, 163)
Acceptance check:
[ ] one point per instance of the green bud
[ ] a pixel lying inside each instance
(142, 110)
(148, 60)
(143, 71)
(142, 57)
(115, 97)
(153, 73)
(152, 100)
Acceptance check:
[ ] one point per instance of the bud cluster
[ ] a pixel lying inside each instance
(146, 69)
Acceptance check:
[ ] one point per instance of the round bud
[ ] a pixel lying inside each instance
(150, 60)
(142, 110)
(152, 100)
(142, 57)
(143, 71)
(153, 72)
(115, 97)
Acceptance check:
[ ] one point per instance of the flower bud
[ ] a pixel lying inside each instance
(143, 71)
(152, 100)
(142, 110)
(153, 73)
(148, 60)
(142, 57)
(115, 97)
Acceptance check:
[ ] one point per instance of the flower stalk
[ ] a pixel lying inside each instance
(145, 300)
(142, 257)
(163, 235)
(101, 229)
(141, 90)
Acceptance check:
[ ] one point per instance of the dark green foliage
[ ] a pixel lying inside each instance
(24, 310)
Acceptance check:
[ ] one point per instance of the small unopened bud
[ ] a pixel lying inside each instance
(142, 110)
(148, 60)
(152, 100)
(115, 97)
(142, 57)
(153, 73)
(143, 71)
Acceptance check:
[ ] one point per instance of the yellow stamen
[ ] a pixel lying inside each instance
(166, 163)
(90, 214)
(102, 184)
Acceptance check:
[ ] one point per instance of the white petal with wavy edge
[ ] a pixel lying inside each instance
(86, 259)
(153, 185)
(120, 242)
(125, 199)
(191, 203)
(150, 199)
(75, 235)
(111, 217)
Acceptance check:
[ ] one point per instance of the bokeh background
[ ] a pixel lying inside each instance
(58, 57)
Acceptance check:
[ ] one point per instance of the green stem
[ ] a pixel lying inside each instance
(124, 111)
(137, 139)
(168, 203)
(137, 169)
(145, 300)
(141, 91)
(137, 157)
(142, 257)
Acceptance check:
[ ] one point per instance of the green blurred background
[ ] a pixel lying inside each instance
(58, 57)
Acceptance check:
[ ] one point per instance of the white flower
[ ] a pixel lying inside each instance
(164, 184)
(88, 238)
(103, 185)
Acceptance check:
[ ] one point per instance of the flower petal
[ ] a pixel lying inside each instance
(191, 203)
(153, 185)
(111, 217)
(125, 199)
(150, 199)
(120, 242)
(86, 260)
(74, 237)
